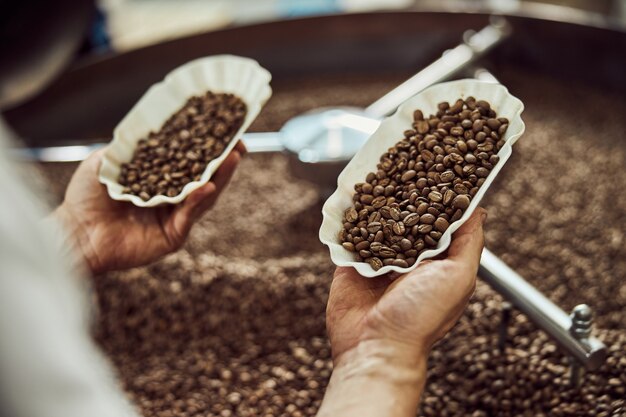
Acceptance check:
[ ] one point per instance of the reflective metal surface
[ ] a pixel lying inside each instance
(590, 352)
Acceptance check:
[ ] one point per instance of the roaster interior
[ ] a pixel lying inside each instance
(234, 322)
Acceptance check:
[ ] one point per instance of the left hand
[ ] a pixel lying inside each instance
(116, 235)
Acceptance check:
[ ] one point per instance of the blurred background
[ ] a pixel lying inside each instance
(134, 23)
(94, 30)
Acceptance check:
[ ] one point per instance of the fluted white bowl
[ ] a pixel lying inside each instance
(243, 77)
(387, 135)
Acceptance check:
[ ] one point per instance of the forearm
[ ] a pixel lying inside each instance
(375, 380)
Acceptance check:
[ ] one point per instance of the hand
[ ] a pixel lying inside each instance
(381, 329)
(413, 310)
(116, 235)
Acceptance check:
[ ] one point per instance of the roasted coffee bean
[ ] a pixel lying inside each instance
(375, 246)
(424, 228)
(408, 175)
(399, 228)
(385, 212)
(173, 149)
(447, 176)
(362, 245)
(426, 181)
(422, 126)
(374, 227)
(366, 199)
(405, 244)
(494, 124)
(379, 202)
(467, 171)
(401, 263)
(427, 219)
(440, 225)
(461, 202)
(351, 215)
(394, 213)
(448, 196)
(411, 220)
(375, 263)
(482, 172)
(349, 246)
(387, 252)
(457, 131)
(436, 235)
(435, 196)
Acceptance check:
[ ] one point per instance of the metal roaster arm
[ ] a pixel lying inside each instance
(475, 45)
(586, 349)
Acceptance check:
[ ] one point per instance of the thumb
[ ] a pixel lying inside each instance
(468, 242)
(203, 198)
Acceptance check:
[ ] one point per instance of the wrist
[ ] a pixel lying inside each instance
(376, 378)
(384, 352)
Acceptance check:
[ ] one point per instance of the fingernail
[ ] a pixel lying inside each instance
(483, 217)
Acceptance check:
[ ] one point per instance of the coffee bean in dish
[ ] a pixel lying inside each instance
(165, 161)
(423, 184)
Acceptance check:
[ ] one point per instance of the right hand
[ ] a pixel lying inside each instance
(411, 312)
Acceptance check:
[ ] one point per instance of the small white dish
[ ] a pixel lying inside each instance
(243, 77)
(387, 135)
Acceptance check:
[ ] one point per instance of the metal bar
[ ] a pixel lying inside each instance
(475, 45)
(255, 142)
(590, 352)
(72, 153)
(263, 142)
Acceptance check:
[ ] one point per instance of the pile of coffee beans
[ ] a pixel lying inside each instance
(233, 324)
(423, 183)
(167, 160)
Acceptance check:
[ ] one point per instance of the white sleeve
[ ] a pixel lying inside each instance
(49, 364)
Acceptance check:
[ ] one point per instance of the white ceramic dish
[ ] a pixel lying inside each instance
(243, 77)
(391, 131)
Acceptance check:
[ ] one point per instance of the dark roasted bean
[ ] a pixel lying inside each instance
(441, 224)
(461, 202)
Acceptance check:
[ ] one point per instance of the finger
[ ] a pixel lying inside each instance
(93, 160)
(183, 216)
(224, 173)
(204, 197)
(220, 180)
(241, 148)
(467, 243)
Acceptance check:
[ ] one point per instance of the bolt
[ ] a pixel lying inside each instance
(581, 321)
(582, 318)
